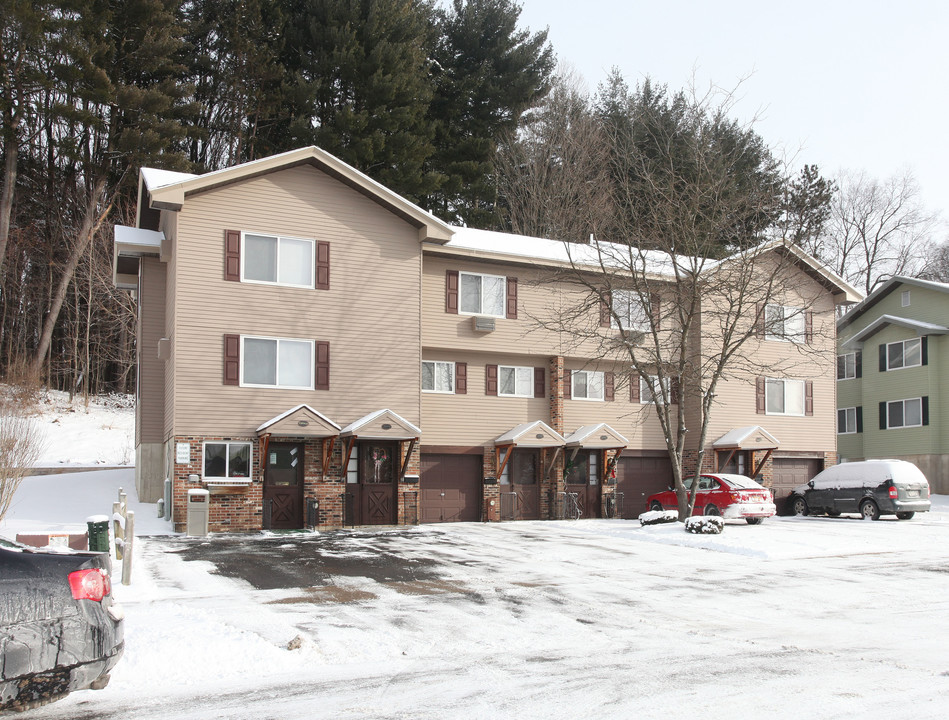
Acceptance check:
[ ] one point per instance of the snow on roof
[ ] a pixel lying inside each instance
(517, 431)
(921, 328)
(156, 178)
(582, 433)
(302, 406)
(738, 438)
(366, 419)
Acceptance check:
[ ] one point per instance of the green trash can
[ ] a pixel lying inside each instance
(98, 533)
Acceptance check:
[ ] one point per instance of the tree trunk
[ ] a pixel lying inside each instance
(90, 224)
(10, 153)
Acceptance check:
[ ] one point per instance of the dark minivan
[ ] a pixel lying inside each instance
(871, 488)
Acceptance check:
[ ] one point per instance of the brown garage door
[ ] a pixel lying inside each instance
(788, 473)
(450, 488)
(639, 477)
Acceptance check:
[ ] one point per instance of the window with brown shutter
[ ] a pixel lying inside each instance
(322, 265)
(322, 365)
(232, 359)
(634, 388)
(760, 402)
(451, 291)
(808, 397)
(608, 386)
(605, 314)
(461, 378)
(512, 298)
(232, 255)
(490, 379)
(540, 382)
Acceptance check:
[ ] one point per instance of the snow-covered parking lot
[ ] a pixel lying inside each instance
(797, 617)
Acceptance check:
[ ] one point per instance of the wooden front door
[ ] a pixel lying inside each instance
(378, 467)
(583, 480)
(525, 484)
(283, 485)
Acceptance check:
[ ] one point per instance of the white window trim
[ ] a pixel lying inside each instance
(785, 382)
(846, 376)
(278, 238)
(631, 297)
(436, 363)
(651, 389)
(784, 336)
(573, 387)
(502, 278)
(515, 368)
(847, 432)
(905, 298)
(903, 403)
(904, 366)
(226, 480)
(311, 343)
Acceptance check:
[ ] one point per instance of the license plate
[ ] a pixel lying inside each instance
(912, 493)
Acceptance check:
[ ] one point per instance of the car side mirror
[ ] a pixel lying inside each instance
(810, 484)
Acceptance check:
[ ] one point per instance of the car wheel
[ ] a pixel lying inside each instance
(712, 510)
(753, 521)
(905, 515)
(869, 509)
(799, 506)
(656, 506)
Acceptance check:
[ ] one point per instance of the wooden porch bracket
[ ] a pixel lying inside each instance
(553, 460)
(497, 458)
(327, 451)
(405, 463)
(719, 465)
(349, 443)
(265, 443)
(760, 465)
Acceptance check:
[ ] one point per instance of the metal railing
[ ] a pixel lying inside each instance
(569, 507)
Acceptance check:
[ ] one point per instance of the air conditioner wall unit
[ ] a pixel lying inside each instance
(483, 324)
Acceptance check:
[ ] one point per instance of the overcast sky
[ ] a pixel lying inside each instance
(858, 85)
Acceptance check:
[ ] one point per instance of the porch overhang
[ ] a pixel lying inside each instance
(381, 425)
(300, 421)
(537, 434)
(750, 437)
(596, 437)
(129, 246)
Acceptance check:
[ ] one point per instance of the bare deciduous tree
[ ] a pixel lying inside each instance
(21, 444)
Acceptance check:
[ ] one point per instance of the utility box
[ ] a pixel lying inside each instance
(312, 512)
(199, 512)
(98, 532)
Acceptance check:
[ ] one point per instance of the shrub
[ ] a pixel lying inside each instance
(704, 525)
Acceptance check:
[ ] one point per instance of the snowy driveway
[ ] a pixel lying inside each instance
(798, 617)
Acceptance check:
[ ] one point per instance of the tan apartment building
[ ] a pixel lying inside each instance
(316, 350)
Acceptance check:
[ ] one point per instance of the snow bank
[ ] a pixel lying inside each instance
(75, 435)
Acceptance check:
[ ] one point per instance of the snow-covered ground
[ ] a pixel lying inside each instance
(797, 617)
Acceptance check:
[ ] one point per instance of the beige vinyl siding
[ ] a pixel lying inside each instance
(151, 401)
(170, 228)
(476, 418)
(369, 316)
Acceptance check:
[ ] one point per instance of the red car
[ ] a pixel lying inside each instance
(731, 496)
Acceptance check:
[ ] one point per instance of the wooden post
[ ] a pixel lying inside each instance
(127, 550)
(117, 531)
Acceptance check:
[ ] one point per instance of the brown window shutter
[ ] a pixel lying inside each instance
(808, 398)
(674, 392)
(567, 384)
(760, 404)
(451, 291)
(809, 327)
(608, 386)
(634, 388)
(490, 379)
(605, 315)
(322, 365)
(322, 265)
(461, 378)
(512, 298)
(540, 382)
(656, 308)
(232, 359)
(759, 320)
(232, 255)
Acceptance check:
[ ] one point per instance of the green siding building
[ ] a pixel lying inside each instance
(892, 376)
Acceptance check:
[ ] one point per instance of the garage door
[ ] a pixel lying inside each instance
(639, 477)
(450, 488)
(788, 473)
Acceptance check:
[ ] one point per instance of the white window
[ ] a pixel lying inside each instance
(277, 362)
(629, 308)
(438, 377)
(649, 389)
(227, 461)
(515, 381)
(904, 298)
(784, 397)
(847, 421)
(903, 354)
(586, 385)
(352, 467)
(482, 294)
(904, 413)
(847, 366)
(784, 322)
(277, 260)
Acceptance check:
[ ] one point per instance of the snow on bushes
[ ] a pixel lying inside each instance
(657, 517)
(704, 525)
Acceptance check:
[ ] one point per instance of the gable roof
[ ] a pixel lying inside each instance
(885, 289)
(167, 190)
(750, 437)
(918, 326)
(537, 434)
(595, 436)
(381, 425)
